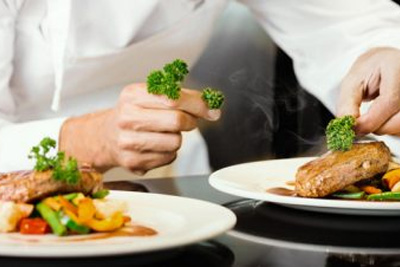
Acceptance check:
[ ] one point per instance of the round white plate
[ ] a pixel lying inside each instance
(252, 180)
(178, 221)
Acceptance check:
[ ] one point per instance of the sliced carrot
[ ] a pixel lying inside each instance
(391, 178)
(127, 219)
(369, 189)
(67, 205)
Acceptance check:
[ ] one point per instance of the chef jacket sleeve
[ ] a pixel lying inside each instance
(16, 139)
(325, 37)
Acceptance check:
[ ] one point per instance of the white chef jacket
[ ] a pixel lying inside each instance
(61, 58)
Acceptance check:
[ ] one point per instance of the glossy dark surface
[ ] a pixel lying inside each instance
(265, 235)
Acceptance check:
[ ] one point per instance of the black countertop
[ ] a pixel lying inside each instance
(265, 235)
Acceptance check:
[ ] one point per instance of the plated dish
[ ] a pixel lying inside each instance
(177, 220)
(60, 209)
(261, 180)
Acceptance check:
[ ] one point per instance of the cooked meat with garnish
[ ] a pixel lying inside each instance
(339, 169)
(27, 186)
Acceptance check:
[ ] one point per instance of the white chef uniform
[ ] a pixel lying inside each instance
(75, 56)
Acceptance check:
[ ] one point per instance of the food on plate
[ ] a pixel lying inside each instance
(11, 214)
(58, 197)
(28, 186)
(168, 82)
(361, 171)
(338, 169)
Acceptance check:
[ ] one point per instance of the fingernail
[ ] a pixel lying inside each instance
(214, 114)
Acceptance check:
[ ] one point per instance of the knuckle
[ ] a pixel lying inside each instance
(132, 163)
(139, 145)
(122, 144)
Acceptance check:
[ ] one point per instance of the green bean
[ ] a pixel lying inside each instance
(77, 228)
(384, 196)
(70, 196)
(101, 193)
(51, 218)
(356, 195)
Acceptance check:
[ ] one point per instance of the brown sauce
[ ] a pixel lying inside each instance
(281, 191)
(127, 231)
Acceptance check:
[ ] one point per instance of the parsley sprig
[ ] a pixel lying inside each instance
(65, 170)
(168, 82)
(340, 134)
(214, 98)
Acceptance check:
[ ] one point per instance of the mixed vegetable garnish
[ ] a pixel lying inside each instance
(380, 188)
(73, 213)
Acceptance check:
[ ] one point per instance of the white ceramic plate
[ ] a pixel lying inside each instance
(178, 221)
(252, 180)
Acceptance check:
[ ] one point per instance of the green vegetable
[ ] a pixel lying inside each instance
(52, 218)
(63, 170)
(356, 195)
(167, 81)
(77, 228)
(69, 197)
(340, 134)
(101, 193)
(384, 196)
(213, 98)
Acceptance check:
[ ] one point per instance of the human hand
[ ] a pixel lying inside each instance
(374, 76)
(142, 132)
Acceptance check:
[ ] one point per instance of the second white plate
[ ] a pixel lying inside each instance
(179, 221)
(253, 180)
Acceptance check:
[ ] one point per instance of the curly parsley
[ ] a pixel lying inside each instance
(63, 170)
(340, 134)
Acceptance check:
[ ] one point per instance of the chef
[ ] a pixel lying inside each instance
(74, 70)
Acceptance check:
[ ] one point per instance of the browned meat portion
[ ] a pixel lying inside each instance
(336, 170)
(26, 186)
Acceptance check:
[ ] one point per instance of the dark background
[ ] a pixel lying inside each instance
(267, 114)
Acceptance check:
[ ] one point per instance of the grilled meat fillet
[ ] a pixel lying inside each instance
(27, 186)
(336, 170)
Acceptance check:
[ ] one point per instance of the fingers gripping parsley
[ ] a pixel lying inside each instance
(63, 170)
(340, 134)
(167, 82)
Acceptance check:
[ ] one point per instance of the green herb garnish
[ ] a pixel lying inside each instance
(63, 170)
(213, 98)
(340, 134)
(168, 82)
